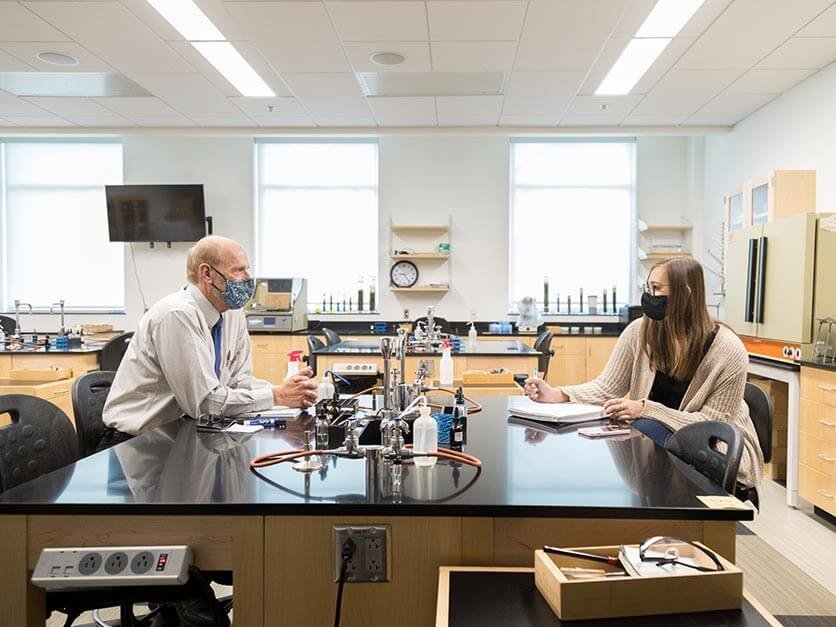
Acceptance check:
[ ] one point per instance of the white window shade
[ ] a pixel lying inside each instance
(55, 235)
(318, 216)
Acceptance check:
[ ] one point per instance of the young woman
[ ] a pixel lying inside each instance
(673, 367)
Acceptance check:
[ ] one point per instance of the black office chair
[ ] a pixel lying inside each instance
(761, 411)
(89, 394)
(314, 344)
(331, 337)
(39, 439)
(8, 325)
(439, 322)
(114, 351)
(698, 443)
(543, 345)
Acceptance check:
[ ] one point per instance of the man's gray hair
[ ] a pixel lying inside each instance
(209, 250)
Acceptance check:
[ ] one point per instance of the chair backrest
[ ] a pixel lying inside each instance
(39, 439)
(314, 344)
(761, 411)
(8, 325)
(114, 351)
(699, 444)
(89, 394)
(439, 322)
(543, 344)
(331, 337)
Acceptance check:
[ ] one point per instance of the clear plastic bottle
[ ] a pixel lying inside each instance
(471, 337)
(426, 437)
(446, 374)
(325, 390)
(294, 363)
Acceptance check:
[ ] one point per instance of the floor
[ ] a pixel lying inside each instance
(793, 574)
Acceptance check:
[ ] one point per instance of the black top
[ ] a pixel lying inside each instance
(526, 472)
(492, 348)
(669, 391)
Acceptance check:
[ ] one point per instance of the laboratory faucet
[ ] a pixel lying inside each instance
(60, 305)
(18, 305)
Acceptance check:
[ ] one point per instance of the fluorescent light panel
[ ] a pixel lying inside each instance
(668, 17)
(634, 61)
(229, 62)
(188, 19)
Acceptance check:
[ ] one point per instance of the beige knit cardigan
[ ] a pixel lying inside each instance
(715, 392)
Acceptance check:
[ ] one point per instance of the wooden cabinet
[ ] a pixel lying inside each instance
(817, 440)
(598, 351)
(269, 356)
(578, 359)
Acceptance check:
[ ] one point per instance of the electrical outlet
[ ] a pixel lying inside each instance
(112, 566)
(371, 562)
(428, 365)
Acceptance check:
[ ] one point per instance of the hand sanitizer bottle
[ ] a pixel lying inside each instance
(471, 338)
(426, 437)
(446, 376)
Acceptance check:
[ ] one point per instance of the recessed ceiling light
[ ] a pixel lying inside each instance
(634, 61)
(56, 58)
(229, 62)
(188, 19)
(387, 58)
(668, 17)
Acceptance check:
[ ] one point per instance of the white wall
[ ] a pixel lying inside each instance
(423, 179)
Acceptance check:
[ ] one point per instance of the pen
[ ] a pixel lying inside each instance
(275, 423)
(614, 561)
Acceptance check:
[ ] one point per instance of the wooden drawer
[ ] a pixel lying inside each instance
(569, 345)
(818, 385)
(817, 454)
(817, 488)
(278, 344)
(818, 420)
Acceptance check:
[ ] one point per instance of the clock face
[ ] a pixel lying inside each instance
(404, 274)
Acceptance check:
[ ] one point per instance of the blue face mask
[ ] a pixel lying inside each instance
(237, 293)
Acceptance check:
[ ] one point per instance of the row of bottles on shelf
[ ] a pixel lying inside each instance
(566, 304)
(362, 301)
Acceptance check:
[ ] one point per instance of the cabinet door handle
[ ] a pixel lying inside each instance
(825, 458)
(828, 388)
(825, 494)
(827, 423)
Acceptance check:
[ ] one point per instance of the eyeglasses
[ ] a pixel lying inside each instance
(209, 422)
(647, 288)
(670, 554)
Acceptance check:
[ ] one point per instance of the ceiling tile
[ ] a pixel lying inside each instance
(284, 121)
(468, 120)
(747, 31)
(566, 34)
(11, 63)
(653, 120)
(87, 61)
(293, 36)
(189, 94)
(468, 105)
(379, 20)
(682, 92)
(38, 121)
(339, 121)
(137, 106)
(823, 26)
(389, 106)
(739, 105)
(802, 53)
(174, 121)
(592, 120)
(5, 122)
(613, 105)
(219, 122)
(718, 119)
(328, 94)
(126, 43)
(260, 106)
(767, 81)
(12, 105)
(528, 120)
(67, 107)
(476, 20)
(111, 121)
(416, 56)
(413, 120)
(19, 24)
(473, 56)
(540, 93)
(215, 10)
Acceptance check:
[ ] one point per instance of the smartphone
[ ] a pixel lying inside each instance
(607, 431)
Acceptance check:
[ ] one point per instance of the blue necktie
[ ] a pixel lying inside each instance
(216, 339)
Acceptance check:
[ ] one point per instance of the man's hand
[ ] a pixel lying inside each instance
(298, 391)
(540, 391)
(623, 409)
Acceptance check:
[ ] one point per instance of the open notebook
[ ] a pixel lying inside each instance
(558, 413)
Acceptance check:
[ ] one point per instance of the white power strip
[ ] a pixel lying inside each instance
(354, 368)
(100, 567)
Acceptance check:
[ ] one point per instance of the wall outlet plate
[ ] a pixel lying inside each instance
(99, 567)
(372, 559)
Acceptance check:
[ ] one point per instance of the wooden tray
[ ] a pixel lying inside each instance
(614, 597)
(40, 374)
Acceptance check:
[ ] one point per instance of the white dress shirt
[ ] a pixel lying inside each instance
(169, 367)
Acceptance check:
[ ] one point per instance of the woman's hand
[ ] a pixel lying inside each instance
(538, 390)
(623, 409)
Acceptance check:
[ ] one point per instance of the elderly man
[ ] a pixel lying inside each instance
(191, 352)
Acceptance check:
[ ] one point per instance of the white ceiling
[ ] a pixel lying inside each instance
(733, 57)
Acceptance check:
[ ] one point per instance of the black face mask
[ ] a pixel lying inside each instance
(654, 307)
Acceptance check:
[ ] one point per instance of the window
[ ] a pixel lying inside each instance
(317, 216)
(54, 225)
(572, 220)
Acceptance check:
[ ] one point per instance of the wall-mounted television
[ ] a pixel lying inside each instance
(155, 213)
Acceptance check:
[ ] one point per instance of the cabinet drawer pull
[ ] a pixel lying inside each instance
(825, 458)
(827, 423)
(828, 388)
(825, 494)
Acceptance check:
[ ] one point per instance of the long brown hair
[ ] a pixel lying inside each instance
(675, 344)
